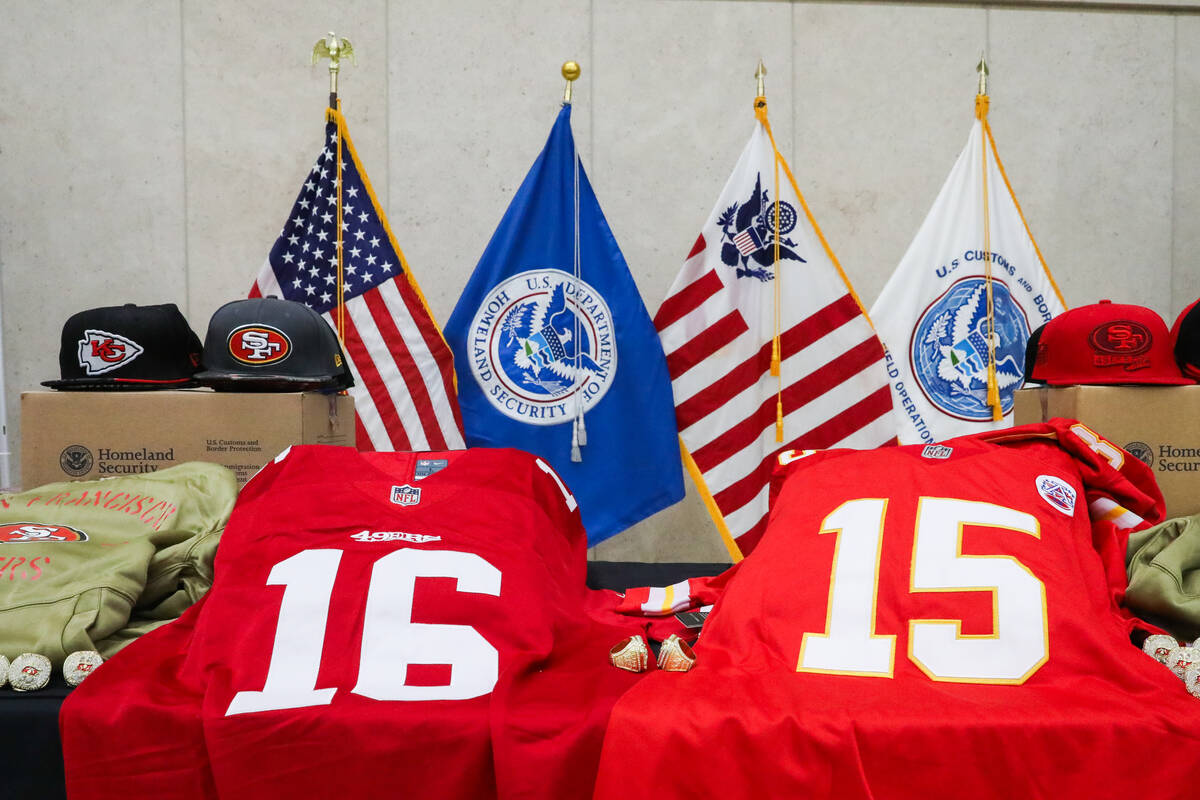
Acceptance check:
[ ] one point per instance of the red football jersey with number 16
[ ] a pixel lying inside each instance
(381, 624)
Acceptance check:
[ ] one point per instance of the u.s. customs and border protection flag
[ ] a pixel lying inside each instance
(767, 344)
(556, 354)
(403, 391)
(958, 310)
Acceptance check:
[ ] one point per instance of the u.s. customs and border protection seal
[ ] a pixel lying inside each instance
(540, 342)
(949, 348)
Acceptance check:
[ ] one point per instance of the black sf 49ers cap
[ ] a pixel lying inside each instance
(127, 347)
(266, 344)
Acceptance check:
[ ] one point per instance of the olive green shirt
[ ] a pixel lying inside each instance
(1163, 566)
(91, 565)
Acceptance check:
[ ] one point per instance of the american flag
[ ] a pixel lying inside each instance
(403, 390)
(717, 325)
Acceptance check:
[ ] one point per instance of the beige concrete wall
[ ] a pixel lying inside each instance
(149, 151)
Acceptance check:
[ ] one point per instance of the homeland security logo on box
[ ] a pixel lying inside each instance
(542, 341)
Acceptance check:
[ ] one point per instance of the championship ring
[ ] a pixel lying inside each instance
(630, 654)
(3, 670)
(79, 665)
(676, 655)
(29, 672)
(1159, 646)
(1191, 679)
(1179, 659)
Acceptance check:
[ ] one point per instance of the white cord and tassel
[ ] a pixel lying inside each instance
(578, 430)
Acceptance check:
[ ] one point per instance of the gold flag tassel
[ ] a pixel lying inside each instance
(760, 112)
(981, 112)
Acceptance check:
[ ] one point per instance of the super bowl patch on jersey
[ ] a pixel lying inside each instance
(949, 348)
(540, 342)
(1058, 493)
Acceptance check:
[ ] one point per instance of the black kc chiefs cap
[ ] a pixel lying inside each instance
(266, 344)
(127, 347)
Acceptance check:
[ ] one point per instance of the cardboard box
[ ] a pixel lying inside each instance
(85, 435)
(1158, 424)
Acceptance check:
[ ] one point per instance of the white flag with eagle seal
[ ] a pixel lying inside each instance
(718, 326)
(933, 313)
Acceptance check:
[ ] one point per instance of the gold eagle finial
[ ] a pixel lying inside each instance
(335, 50)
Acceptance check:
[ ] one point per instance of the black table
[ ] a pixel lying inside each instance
(31, 756)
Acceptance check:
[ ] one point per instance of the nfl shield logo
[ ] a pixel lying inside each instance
(406, 495)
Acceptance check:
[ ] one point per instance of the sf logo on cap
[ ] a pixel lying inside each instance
(1121, 343)
(101, 351)
(1123, 337)
(259, 344)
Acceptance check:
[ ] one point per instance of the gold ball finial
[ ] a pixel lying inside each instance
(570, 70)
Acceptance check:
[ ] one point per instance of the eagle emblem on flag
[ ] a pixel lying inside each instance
(544, 334)
(749, 232)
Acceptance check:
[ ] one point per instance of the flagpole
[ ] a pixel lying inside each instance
(760, 111)
(981, 111)
(571, 71)
(335, 50)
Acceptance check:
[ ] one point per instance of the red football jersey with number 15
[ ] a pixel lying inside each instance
(925, 621)
(380, 624)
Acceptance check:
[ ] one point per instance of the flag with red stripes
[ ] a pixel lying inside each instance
(404, 396)
(717, 327)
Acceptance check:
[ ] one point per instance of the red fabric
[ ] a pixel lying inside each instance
(1106, 343)
(1096, 718)
(154, 723)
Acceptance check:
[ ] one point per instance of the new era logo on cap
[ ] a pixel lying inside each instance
(1103, 343)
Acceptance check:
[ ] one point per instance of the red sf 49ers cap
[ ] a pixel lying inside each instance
(1185, 336)
(127, 347)
(1104, 343)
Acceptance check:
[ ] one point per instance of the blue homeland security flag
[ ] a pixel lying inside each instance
(554, 348)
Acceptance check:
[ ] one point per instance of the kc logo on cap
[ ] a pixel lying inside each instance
(101, 351)
(1103, 343)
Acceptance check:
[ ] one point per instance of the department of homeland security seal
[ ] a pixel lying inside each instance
(949, 349)
(540, 339)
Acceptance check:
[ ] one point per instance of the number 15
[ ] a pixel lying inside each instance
(1019, 644)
